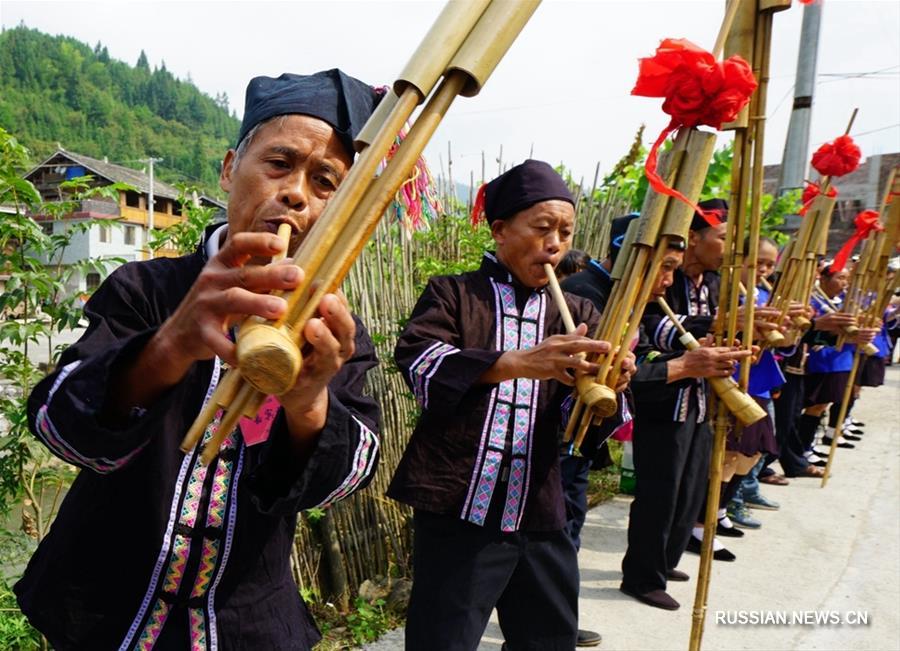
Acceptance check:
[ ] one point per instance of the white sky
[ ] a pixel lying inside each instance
(563, 88)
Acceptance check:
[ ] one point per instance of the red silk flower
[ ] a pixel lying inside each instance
(865, 222)
(812, 191)
(837, 158)
(697, 90)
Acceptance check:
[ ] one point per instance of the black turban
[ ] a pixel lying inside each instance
(521, 187)
(718, 208)
(332, 96)
(617, 229)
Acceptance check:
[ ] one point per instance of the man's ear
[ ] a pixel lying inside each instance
(693, 238)
(225, 174)
(498, 230)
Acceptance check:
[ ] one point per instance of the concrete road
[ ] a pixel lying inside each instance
(829, 553)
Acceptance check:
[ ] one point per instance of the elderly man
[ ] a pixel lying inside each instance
(152, 549)
(484, 355)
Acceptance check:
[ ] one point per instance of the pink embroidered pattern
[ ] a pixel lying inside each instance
(510, 517)
(197, 623)
(486, 483)
(207, 567)
(154, 626)
(515, 333)
(363, 462)
(181, 549)
(181, 545)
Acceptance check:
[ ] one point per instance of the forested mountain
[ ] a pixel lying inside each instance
(55, 89)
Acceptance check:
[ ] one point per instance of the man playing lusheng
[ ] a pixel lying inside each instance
(482, 355)
(151, 549)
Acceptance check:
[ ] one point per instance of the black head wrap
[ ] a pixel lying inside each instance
(521, 187)
(617, 229)
(332, 96)
(715, 208)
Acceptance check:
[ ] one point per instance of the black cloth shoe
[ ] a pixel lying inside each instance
(588, 638)
(852, 437)
(719, 555)
(677, 575)
(655, 598)
(728, 532)
(845, 445)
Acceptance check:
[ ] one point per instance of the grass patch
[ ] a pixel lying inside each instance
(364, 623)
(603, 485)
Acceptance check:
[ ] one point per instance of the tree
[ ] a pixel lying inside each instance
(36, 307)
(142, 63)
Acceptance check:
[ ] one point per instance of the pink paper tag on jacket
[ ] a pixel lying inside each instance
(256, 430)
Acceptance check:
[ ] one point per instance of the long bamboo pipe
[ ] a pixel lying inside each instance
(752, 30)
(599, 398)
(470, 64)
(744, 408)
(842, 415)
(629, 296)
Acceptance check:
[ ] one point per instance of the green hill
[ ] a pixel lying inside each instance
(55, 89)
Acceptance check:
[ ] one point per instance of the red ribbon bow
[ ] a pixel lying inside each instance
(837, 158)
(866, 222)
(812, 191)
(697, 90)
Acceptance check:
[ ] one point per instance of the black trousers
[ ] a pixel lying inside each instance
(671, 464)
(787, 412)
(575, 473)
(461, 572)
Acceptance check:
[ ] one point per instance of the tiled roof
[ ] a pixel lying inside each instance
(115, 173)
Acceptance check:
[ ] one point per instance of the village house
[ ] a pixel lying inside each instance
(127, 234)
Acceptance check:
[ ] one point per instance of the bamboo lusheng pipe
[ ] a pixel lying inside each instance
(860, 290)
(795, 283)
(842, 415)
(599, 398)
(744, 408)
(361, 201)
(637, 266)
(870, 274)
(752, 29)
(622, 265)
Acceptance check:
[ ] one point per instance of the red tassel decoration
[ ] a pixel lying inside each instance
(697, 90)
(837, 158)
(478, 207)
(866, 222)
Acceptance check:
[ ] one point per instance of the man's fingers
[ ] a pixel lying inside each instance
(733, 354)
(337, 316)
(584, 345)
(216, 340)
(240, 301)
(581, 366)
(242, 246)
(259, 278)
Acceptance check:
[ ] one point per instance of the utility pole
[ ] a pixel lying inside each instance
(150, 201)
(796, 145)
